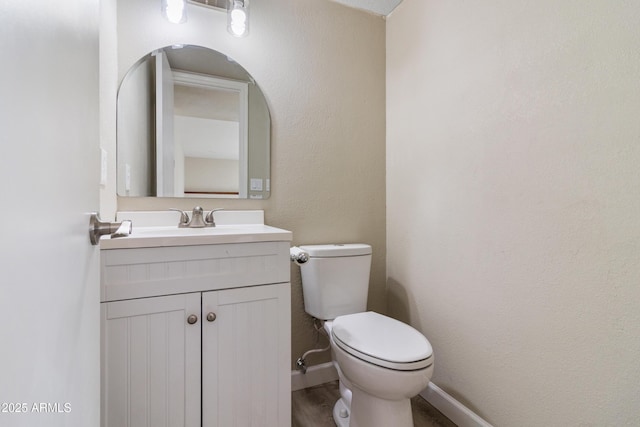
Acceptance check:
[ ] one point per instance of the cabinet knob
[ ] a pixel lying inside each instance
(211, 317)
(192, 319)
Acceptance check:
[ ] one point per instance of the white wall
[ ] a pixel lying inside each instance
(207, 138)
(321, 68)
(513, 193)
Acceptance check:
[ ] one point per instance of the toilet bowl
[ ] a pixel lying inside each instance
(385, 363)
(381, 362)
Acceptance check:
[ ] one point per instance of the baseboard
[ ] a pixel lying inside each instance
(316, 375)
(451, 408)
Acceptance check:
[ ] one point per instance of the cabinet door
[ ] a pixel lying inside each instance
(151, 362)
(246, 355)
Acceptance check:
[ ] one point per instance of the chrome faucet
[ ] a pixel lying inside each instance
(197, 220)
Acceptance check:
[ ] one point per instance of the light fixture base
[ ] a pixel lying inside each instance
(219, 5)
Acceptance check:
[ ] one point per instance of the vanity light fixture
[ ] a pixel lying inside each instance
(238, 17)
(175, 11)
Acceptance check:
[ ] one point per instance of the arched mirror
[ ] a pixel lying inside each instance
(191, 122)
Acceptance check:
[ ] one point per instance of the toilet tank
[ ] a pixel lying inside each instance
(335, 280)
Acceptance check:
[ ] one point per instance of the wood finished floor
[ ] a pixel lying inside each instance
(312, 407)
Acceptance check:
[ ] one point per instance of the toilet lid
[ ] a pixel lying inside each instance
(337, 250)
(382, 341)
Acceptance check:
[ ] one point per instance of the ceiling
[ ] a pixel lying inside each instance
(379, 7)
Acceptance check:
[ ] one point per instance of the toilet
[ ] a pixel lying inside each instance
(381, 362)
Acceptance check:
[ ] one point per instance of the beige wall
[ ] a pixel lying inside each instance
(108, 58)
(513, 194)
(321, 67)
(210, 175)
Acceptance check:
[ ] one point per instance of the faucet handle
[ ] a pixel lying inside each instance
(184, 217)
(209, 218)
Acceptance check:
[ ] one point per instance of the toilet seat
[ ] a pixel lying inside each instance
(382, 341)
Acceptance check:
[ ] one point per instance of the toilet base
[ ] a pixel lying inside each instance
(371, 411)
(340, 409)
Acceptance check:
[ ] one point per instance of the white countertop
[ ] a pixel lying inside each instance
(251, 229)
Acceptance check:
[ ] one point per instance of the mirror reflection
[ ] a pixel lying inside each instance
(192, 122)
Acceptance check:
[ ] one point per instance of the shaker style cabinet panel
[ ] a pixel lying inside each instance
(150, 362)
(245, 353)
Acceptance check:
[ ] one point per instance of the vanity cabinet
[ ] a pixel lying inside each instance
(196, 336)
(151, 362)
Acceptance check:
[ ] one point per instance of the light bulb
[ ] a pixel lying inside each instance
(238, 29)
(238, 17)
(174, 11)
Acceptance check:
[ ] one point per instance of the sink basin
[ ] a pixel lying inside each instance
(165, 235)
